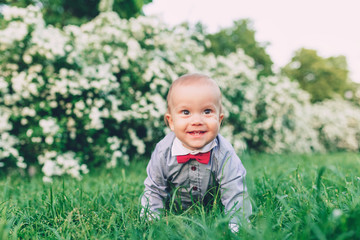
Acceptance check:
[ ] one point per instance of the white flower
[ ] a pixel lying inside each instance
(36, 139)
(50, 42)
(95, 119)
(48, 155)
(134, 49)
(53, 104)
(80, 105)
(140, 145)
(26, 111)
(27, 59)
(3, 85)
(5, 125)
(55, 164)
(84, 169)
(19, 82)
(29, 132)
(50, 169)
(49, 140)
(15, 31)
(21, 164)
(47, 179)
(49, 126)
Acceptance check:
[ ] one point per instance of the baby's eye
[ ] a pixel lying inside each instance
(207, 111)
(185, 112)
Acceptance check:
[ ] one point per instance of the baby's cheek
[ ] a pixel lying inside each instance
(215, 118)
(214, 122)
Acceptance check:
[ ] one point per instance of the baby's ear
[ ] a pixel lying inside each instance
(221, 117)
(169, 121)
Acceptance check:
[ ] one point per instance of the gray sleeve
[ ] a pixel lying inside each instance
(231, 177)
(155, 186)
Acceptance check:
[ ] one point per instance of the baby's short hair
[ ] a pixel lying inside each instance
(189, 79)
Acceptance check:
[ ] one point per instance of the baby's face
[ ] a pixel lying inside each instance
(195, 116)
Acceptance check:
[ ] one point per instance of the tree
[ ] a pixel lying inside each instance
(323, 78)
(64, 12)
(241, 35)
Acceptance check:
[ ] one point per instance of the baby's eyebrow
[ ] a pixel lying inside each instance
(210, 106)
(181, 108)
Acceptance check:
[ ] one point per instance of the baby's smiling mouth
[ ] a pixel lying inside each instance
(196, 133)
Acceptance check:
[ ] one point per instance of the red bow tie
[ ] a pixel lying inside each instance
(203, 158)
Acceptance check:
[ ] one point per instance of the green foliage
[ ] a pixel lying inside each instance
(323, 78)
(127, 9)
(293, 197)
(65, 12)
(241, 35)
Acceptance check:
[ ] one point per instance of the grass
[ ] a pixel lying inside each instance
(293, 196)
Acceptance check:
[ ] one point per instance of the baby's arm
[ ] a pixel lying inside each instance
(155, 187)
(231, 176)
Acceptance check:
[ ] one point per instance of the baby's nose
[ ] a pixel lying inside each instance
(197, 119)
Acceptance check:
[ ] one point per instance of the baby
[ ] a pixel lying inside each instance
(194, 159)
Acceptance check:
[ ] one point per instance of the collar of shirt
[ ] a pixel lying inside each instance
(179, 149)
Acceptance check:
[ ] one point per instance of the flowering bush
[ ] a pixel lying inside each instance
(338, 124)
(81, 97)
(267, 114)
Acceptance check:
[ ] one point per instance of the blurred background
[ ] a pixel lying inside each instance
(83, 83)
(330, 27)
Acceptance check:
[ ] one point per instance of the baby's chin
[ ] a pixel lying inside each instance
(195, 146)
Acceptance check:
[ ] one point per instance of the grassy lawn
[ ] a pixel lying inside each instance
(294, 197)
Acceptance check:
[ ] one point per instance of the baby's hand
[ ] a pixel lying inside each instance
(149, 215)
(234, 227)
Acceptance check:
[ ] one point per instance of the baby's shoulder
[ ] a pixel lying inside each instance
(167, 141)
(224, 150)
(163, 147)
(223, 144)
